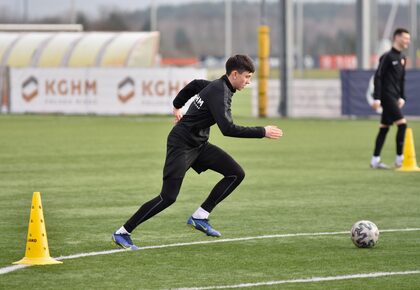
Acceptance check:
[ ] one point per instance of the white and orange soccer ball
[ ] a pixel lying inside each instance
(364, 234)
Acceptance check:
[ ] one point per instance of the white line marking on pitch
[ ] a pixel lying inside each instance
(9, 269)
(307, 280)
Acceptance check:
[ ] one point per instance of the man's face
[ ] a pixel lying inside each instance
(240, 80)
(402, 40)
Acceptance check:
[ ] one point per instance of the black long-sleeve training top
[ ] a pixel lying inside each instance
(212, 106)
(390, 77)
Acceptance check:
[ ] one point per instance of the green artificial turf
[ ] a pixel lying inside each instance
(94, 172)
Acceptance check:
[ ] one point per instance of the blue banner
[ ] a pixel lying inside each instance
(357, 89)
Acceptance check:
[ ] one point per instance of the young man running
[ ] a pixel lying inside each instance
(389, 93)
(188, 146)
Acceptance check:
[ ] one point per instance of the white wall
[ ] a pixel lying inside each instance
(311, 98)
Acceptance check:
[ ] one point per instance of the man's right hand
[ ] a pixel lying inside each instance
(272, 132)
(376, 104)
(401, 102)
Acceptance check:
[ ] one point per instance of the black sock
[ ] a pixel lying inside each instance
(380, 139)
(400, 138)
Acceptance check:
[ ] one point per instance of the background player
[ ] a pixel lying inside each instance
(389, 93)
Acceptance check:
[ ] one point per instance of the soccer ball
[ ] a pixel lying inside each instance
(364, 234)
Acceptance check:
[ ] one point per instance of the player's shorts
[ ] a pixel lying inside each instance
(391, 113)
(179, 159)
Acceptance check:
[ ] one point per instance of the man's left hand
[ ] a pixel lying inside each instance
(178, 114)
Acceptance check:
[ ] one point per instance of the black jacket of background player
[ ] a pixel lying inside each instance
(212, 106)
(390, 77)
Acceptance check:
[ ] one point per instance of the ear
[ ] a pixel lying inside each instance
(234, 74)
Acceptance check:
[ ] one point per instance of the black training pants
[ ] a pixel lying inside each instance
(178, 161)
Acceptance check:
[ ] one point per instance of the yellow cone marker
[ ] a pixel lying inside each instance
(37, 252)
(409, 162)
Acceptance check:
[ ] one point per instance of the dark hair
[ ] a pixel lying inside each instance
(240, 63)
(399, 31)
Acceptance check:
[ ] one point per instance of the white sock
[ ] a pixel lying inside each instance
(375, 160)
(399, 158)
(122, 231)
(201, 214)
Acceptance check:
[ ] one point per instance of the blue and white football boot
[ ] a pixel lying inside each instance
(124, 241)
(204, 226)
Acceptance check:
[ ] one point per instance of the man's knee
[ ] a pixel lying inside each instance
(401, 122)
(240, 174)
(169, 196)
(168, 199)
(170, 190)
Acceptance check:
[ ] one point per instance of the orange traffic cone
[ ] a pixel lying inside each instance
(409, 162)
(37, 252)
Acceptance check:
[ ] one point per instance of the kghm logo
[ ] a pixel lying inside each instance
(29, 88)
(126, 89)
(64, 87)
